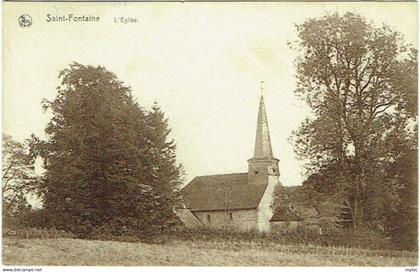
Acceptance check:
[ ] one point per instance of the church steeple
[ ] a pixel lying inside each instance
(263, 161)
(262, 139)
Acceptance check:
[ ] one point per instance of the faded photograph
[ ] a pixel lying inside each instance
(210, 134)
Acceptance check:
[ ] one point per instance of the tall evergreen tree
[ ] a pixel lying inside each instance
(99, 156)
(166, 173)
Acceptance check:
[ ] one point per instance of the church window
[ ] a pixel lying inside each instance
(273, 170)
(208, 219)
(231, 216)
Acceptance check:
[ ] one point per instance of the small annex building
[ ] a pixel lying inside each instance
(239, 201)
(286, 219)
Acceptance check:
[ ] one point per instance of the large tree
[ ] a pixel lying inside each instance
(100, 157)
(360, 82)
(18, 176)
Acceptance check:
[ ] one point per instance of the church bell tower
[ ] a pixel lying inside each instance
(263, 161)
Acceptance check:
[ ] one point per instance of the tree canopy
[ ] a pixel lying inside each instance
(360, 80)
(109, 163)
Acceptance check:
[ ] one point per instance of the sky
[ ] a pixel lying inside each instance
(202, 62)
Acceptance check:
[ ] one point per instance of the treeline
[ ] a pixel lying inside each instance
(109, 164)
(360, 145)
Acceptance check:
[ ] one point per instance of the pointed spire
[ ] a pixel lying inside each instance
(262, 140)
(263, 163)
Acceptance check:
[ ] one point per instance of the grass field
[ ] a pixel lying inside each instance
(187, 253)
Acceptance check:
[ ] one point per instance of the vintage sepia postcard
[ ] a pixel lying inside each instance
(209, 134)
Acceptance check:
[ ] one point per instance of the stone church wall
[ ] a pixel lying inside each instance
(265, 211)
(242, 220)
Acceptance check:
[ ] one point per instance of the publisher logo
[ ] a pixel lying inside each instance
(25, 21)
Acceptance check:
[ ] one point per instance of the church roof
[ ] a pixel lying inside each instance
(285, 214)
(224, 192)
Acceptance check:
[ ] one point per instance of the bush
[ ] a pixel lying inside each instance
(31, 233)
(369, 240)
(36, 224)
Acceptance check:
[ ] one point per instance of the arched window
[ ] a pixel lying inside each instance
(208, 219)
(230, 216)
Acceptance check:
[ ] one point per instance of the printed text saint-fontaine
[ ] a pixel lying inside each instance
(71, 18)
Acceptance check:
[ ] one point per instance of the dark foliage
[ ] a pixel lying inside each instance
(109, 164)
(401, 220)
(360, 81)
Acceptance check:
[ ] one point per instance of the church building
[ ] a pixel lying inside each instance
(238, 201)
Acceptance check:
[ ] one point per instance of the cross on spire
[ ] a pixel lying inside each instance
(262, 87)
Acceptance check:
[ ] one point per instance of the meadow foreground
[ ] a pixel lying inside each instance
(78, 252)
